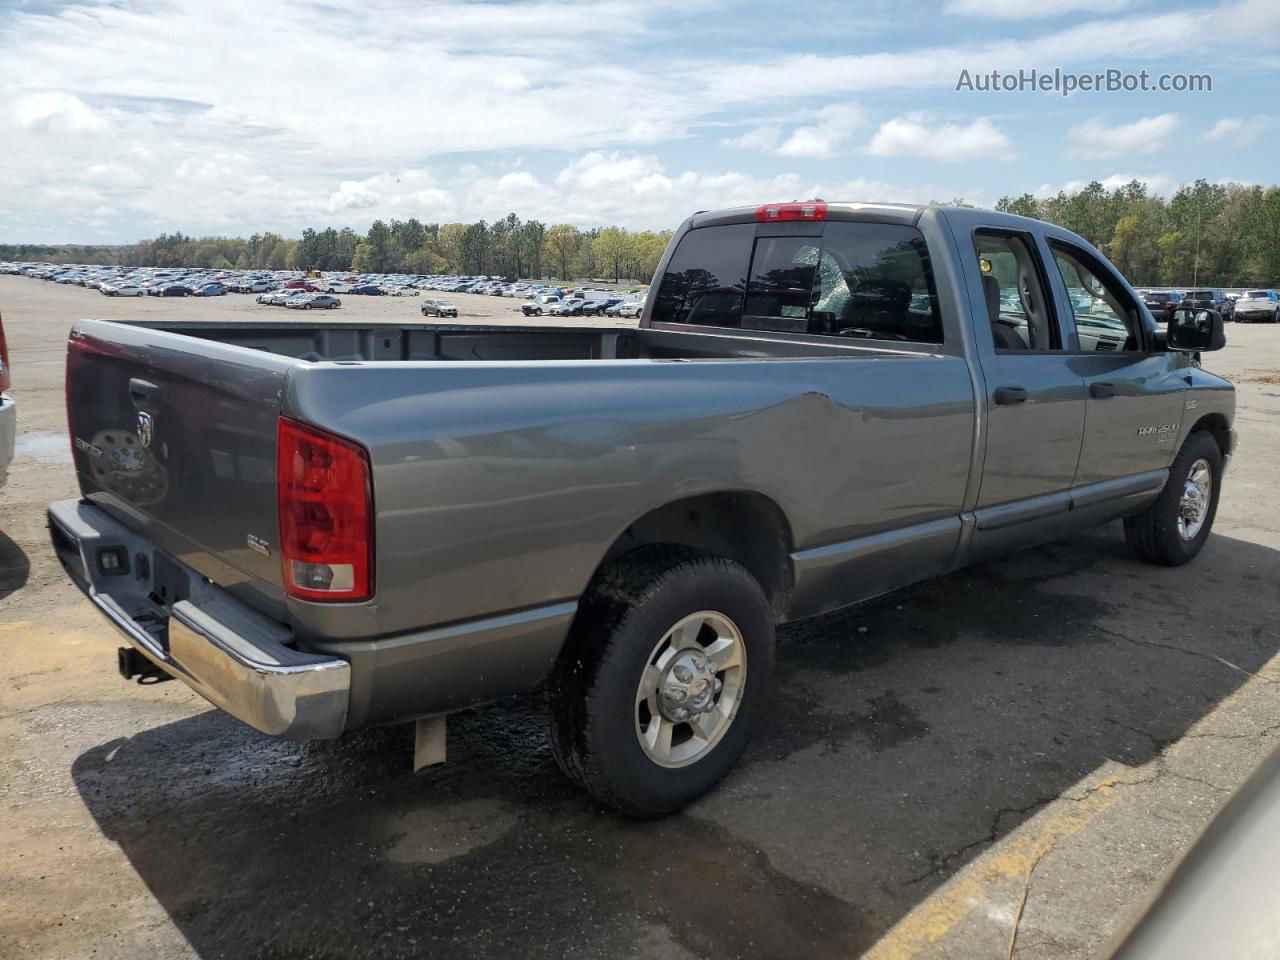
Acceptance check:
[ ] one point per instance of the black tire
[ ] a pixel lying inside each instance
(1154, 534)
(631, 606)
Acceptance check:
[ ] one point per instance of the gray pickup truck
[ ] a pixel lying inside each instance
(322, 526)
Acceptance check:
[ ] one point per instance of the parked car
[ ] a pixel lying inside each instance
(426, 528)
(209, 290)
(1258, 306)
(8, 410)
(276, 298)
(535, 306)
(438, 308)
(1161, 303)
(1213, 902)
(313, 301)
(1209, 300)
(305, 286)
(175, 290)
(124, 290)
(572, 307)
(368, 290)
(599, 306)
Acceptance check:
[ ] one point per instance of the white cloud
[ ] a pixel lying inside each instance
(1149, 135)
(106, 114)
(1237, 131)
(1157, 183)
(1024, 10)
(757, 138)
(914, 135)
(1126, 39)
(1256, 20)
(599, 187)
(56, 111)
(836, 124)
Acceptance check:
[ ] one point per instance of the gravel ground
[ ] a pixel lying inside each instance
(1053, 727)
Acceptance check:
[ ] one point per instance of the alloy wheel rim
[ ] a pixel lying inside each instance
(690, 689)
(1193, 506)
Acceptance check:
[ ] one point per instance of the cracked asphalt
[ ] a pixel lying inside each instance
(998, 762)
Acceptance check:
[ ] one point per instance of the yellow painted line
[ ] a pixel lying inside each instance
(933, 919)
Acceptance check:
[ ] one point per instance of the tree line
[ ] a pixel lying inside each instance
(1205, 233)
(508, 247)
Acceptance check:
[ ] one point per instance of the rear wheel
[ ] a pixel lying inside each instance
(666, 671)
(1173, 529)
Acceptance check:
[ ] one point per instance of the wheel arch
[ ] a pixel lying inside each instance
(744, 526)
(1216, 425)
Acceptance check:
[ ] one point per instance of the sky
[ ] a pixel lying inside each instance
(120, 120)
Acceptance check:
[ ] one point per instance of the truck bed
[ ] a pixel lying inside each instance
(354, 342)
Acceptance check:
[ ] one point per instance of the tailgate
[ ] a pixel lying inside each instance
(175, 436)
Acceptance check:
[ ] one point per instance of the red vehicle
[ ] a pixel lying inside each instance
(301, 285)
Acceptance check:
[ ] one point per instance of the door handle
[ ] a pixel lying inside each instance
(143, 391)
(1007, 395)
(1100, 391)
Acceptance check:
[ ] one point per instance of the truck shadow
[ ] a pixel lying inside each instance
(14, 566)
(907, 735)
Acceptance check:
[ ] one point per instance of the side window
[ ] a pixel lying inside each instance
(1104, 317)
(1021, 315)
(875, 281)
(706, 278)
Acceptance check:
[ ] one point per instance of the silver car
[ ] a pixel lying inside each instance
(438, 308)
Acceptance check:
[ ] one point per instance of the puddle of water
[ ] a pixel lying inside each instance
(45, 447)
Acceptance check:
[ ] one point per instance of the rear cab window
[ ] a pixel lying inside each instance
(852, 279)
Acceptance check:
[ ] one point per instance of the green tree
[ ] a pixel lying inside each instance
(616, 250)
(563, 241)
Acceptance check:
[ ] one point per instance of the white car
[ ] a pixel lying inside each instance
(124, 290)
(1258, 306)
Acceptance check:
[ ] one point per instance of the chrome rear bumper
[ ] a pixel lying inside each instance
(227, 652)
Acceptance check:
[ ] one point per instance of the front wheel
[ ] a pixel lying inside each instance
(666, 671)
(1174, 529)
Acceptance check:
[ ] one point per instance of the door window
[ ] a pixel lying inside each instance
(1105, 318)
(1020, 314)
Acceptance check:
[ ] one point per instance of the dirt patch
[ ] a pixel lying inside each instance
(1268, 377)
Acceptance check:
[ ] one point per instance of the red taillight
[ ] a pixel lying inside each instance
(5, 379)
(325, 503)
(808, 210)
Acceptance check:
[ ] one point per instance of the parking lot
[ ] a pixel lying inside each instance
(1025, 745)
